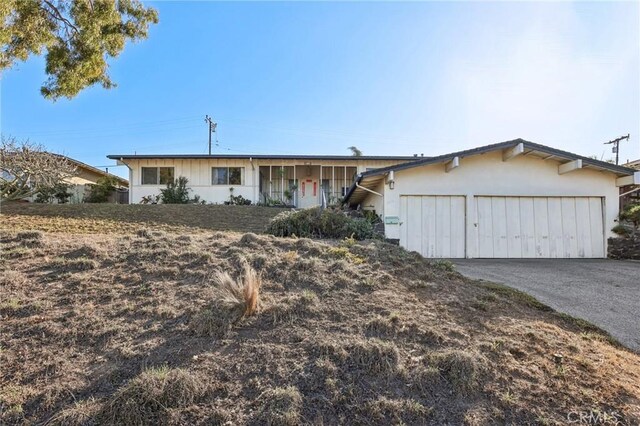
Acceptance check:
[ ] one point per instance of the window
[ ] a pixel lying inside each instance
(227, 175)
(157, 175)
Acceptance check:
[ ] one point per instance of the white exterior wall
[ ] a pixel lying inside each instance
(487, 174)
(198, 172)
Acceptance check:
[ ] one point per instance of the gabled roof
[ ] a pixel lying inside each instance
(260, 157)
(369, 180)
(633, 164)
(80, 164)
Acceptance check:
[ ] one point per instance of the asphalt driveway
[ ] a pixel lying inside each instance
(602, 291)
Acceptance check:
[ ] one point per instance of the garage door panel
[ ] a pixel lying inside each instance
(554, 217)
(527, 227)
(485, 226)
(434, 226)
(414, 222)
(569, 229)
(596, 219)
(458, 233)
(541, 227)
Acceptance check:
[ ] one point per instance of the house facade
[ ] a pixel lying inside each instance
(514, 199)
(301, 181)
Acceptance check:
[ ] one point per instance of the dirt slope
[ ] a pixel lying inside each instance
(107, 329)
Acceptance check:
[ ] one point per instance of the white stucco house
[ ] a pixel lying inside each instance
(301, 180)
(515, 199)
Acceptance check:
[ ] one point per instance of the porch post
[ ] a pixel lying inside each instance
(282, 182)
(345, 181)
(320, 185)
(333, 178)
(295, 193)
(270, 183)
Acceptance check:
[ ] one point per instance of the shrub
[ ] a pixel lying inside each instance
(147, 398)
(631, 213)
(237, 200)
(101, 190)
(176, 191)
(234, 300)
(317, 223)
(60, 192)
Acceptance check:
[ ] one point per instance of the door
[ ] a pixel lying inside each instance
(540, 227)
(434, 226)
(308, 193)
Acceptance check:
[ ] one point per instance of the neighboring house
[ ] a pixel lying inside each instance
(299, 180)
(514, 199)
(87, 175)
(630, 193)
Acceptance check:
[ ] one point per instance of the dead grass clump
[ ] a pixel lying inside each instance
(72, 265)
(81, 413)
(397, 411)
(461, 369)
(143, 233)
(249, 238)
(147, 398)
(383, 326)
(281, 407)
(375, 356)
(294, 307)
(233, 301)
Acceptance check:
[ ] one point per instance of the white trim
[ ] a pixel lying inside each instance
(509, 153)
(453, 164)
(569, 167)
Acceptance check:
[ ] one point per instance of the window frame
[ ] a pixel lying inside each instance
(158, 181)
(228, 175)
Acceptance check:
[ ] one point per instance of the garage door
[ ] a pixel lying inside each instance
(433, 225)
(540, 227)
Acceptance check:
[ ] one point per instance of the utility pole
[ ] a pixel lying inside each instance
(616, 143)
(212, 128)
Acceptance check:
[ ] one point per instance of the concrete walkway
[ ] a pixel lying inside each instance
(602, 291)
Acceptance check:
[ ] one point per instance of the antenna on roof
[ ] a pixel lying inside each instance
(616, 143)
(212, 129)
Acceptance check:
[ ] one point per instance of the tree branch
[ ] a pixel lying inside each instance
(55, 14)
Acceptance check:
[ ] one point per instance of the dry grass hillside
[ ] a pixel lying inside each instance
(120, 218)
(147, 328)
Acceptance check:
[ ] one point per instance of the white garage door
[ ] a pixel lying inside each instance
(433, 225)
(540, 227)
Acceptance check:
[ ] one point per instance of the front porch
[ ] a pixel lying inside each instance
(304, 185)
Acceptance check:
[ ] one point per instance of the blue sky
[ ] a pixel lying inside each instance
(316, 78)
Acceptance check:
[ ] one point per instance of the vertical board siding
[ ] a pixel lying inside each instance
(540, 227)
(434, 226)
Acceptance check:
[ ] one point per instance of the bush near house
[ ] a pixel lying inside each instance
(319, 223)
(101, 190)
(176, 191)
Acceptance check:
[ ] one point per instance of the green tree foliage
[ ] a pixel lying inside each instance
(59, 192)
(176, 191)
(355, 151)
(101, 190)
(631, 213)
(77, 35)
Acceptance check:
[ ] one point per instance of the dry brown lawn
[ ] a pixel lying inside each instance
(107, 329)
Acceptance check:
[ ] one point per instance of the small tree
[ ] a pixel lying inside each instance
(176, 191)
(26, 169)
(355, 151)
(101, 190)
